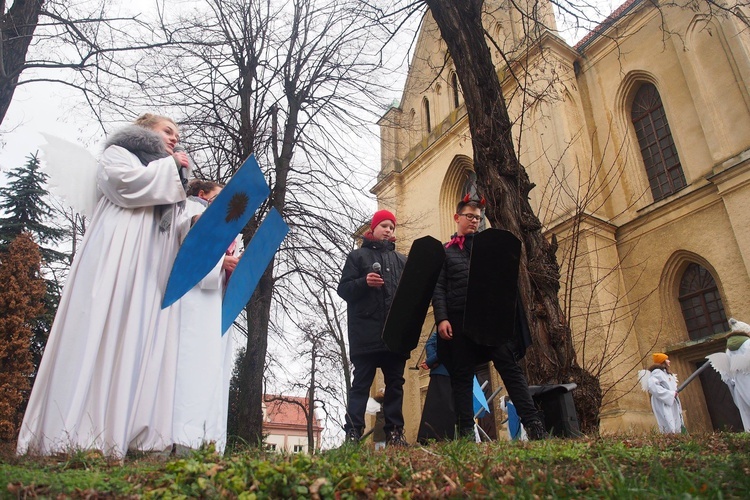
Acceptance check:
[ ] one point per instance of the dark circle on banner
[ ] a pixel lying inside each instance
(237, 206)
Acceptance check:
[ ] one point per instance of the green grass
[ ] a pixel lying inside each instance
(652, 466)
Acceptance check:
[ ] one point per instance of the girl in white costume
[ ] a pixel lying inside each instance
(205, 359)
(662, 385)
(734, 368)
(107, 377)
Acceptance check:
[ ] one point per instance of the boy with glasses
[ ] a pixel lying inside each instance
(459, 353)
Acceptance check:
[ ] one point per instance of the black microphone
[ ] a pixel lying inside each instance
(376, 267)
(179, 148)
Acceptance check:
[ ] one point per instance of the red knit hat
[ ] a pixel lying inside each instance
(380, 216)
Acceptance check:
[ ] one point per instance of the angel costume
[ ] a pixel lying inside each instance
(107, 377)
(734, 368)
(664, 401)
(205, 359)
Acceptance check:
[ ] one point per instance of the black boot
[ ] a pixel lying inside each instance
(535, 430)
(352, 436)
(395, 437)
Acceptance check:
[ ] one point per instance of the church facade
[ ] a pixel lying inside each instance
(638, 141)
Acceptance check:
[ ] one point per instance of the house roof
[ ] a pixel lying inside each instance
(287, 410)
(609, 21)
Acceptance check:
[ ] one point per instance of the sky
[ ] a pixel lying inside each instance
(60, 111)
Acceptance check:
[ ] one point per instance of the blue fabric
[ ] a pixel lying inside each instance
(480, 401)
(431, 356)
(514, 423)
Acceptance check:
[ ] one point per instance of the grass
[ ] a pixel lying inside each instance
(676, 466)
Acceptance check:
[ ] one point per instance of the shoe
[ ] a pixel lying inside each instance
(466, 433)
(536, 431)
(395, 437)
(352, 436)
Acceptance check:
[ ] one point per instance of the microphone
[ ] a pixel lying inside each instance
(179, 148)
(376, 267)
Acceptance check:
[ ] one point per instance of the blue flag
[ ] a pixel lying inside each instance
(215, 230)
(480, 400)
(251, 266)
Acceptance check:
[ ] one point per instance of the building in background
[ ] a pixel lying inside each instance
(285, 424)
(638, 141)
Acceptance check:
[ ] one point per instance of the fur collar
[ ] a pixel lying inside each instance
(146, 144)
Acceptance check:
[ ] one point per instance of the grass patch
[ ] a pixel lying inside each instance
(706, 466)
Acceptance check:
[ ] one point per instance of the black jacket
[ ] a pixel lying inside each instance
(368, 307)
(449, 296)
(450, 290)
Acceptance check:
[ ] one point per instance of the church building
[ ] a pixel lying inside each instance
(638, 141)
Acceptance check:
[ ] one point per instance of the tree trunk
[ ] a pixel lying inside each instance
(250, 380)
(310, 409)
(505, 184)
(17, 28)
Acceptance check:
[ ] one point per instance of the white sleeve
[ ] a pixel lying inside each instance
(127, 183)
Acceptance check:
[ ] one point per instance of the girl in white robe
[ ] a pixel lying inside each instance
(205, 357)
(106, 380)
(739, 360)
(662, 385)
(734, 368)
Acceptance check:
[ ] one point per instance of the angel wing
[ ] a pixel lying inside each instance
(738, 326)
(72, 173)
(720, 362)
(643, 376)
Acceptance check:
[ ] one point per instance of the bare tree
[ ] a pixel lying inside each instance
(78, 45)
(294, 84)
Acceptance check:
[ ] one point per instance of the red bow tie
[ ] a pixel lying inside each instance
(457, 240)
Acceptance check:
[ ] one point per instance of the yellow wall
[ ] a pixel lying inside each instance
(621, 254)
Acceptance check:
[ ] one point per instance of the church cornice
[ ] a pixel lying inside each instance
(586, 222)
(698, 195)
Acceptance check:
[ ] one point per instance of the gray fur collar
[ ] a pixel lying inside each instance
(146, 144)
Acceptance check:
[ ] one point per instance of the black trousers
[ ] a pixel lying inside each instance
(392, 365)
(460, 355)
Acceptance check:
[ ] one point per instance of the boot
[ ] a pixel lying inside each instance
(352, 436)
(395, 437)
(466, 433)
(535, 430)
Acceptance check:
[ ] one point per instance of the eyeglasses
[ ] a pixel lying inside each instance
(472, 217)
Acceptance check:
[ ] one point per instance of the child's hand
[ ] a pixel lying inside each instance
(374, 280)
(229, 263)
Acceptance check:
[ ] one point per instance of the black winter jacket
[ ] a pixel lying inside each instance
(367, 307)
(449, 296)
(450, 291)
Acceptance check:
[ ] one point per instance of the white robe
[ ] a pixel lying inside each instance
(205, 361)
(106, 380)
(739, 381)
(667, 408)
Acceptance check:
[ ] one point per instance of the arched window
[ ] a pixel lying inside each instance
(655, 140)
(426, 111)
(470, 186)
(454, 90)
(701, 303)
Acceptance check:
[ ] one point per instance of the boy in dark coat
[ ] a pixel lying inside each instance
(368, 291)
(459, 353)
